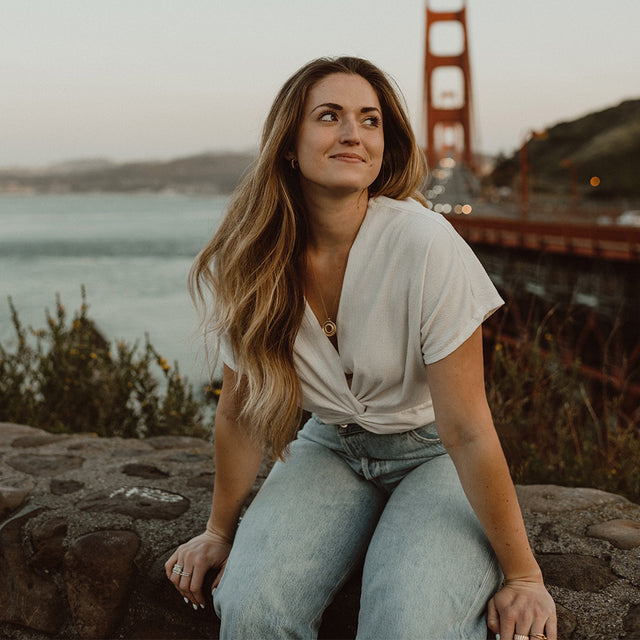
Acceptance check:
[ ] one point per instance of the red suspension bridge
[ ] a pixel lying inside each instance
(561, 256)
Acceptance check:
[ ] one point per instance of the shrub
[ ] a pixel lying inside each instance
(66, 378)
(559, 425)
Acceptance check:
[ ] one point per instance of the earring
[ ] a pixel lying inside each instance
(294, 164)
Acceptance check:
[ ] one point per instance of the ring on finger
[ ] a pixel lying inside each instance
(186, 574)
(538, 636)
(519, 636)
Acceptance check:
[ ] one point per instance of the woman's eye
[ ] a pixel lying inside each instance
(328, 116)
(373, 121)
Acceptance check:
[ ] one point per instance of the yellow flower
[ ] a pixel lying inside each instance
(498, 346)
(164, 364)
(93, 356)
(73, 352)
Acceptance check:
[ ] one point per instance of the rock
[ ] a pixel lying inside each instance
(177, 442)
(10, 431)
(11, 498)
(97, 570)
(632, 623)
(26, 597)
(47, 540)
(137, 502)
(204, 480)
(144, 471)
(579, 573)
(37, 440)
(567, 622)
(179, 621)
(188, 457)
(624, 534)
(44, 465)
(548, 498)
(63, 487)
(595, 583)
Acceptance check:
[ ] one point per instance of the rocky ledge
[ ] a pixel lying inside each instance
(87, 523)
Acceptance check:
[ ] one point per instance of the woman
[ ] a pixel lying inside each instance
(337, 291)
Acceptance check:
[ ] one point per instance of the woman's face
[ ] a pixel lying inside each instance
(340, 140)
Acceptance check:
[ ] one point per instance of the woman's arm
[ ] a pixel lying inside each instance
(237, 460)
(466, 429)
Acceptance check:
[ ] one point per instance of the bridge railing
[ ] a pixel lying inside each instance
(604, 241)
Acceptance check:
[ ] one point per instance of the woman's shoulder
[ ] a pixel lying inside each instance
(411, 218)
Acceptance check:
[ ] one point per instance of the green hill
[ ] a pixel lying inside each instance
(605, 144)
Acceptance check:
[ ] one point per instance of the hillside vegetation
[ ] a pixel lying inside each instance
(605, 144)
(205, 173)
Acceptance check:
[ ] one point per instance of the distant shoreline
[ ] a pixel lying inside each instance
(203, 174)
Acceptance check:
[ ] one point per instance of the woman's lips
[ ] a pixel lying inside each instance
(348, 157)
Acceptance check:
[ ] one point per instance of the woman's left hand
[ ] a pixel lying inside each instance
(523, 607)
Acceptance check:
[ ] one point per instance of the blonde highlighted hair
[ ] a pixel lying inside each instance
(247, 281)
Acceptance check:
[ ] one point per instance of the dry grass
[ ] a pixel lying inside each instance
(558, 424)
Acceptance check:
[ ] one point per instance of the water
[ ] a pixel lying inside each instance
(132, 253)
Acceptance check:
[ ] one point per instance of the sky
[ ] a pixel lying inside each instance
(141, 79)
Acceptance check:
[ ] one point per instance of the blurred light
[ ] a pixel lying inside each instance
(438, 208)
(438, 189)
(446, 208)
(458, 209)
(448, 163)
(429, 204)
(467, 209)
(595, 181)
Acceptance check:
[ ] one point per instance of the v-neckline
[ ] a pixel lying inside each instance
(345, 282)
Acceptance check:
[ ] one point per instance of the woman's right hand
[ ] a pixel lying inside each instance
(193, 559)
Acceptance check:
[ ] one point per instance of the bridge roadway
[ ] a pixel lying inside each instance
(454, 191)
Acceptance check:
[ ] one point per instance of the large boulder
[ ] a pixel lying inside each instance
(87, 523)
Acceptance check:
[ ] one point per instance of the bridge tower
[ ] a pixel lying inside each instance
(448, 114)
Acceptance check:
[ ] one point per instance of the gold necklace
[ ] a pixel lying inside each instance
(329, 327)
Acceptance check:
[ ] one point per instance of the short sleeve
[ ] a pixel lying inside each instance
(226, 351)
(458, 294)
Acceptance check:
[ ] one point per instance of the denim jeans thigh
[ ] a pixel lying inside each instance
(307, 528)
(429, 570)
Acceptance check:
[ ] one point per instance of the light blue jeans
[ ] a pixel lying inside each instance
(345, 495)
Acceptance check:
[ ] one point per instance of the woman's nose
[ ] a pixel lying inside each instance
(349, 133)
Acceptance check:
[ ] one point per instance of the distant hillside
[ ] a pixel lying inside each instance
(205, 173)
(604, 144)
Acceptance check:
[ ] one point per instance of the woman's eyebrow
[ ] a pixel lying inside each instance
(337, 107)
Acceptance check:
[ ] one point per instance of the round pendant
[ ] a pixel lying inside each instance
(329, 327)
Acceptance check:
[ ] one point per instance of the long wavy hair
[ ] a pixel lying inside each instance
(247, 281)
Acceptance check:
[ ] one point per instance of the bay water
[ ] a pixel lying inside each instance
(131, 252)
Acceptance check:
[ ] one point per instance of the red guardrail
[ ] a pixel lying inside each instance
(602, 241)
